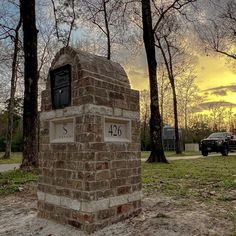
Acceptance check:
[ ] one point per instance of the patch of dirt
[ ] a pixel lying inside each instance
(161, 216)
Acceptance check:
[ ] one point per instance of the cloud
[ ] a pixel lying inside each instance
(208, 105)
(138, 74)
(220, 90)
(220, 93)
(231, 88)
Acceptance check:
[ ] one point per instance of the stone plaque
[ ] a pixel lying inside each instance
(62, 131)
(117, 130)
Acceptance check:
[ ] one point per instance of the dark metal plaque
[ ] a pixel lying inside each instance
(61, 87)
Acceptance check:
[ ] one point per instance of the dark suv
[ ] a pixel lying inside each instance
(222, 142)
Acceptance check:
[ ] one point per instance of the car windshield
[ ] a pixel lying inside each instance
(217, 135)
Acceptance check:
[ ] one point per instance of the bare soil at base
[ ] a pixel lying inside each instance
(161, 215)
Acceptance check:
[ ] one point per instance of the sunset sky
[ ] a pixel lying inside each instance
(215, 77)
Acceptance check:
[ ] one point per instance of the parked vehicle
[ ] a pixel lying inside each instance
(222, 142)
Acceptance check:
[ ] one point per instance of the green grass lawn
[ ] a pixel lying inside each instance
(16, 157)
(145, 154)
(10, 181)
(209, 178)
(213, 177)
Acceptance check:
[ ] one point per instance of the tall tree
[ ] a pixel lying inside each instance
(189, 97)
(167, 35)
(11, 105)
(10, 24)
(157, 152)
(168, 50)
(30, 112)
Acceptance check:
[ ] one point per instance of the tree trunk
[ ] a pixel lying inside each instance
(144, 129)
(11, 105)
(186, 117)
(30, 113)
(162, 102)
(177, 138)
(169, 68)
(157, 152)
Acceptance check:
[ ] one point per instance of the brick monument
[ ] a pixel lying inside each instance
(90, 166)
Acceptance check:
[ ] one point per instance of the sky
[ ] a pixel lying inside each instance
(214, 76)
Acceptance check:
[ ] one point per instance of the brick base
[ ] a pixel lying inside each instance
(87, 221)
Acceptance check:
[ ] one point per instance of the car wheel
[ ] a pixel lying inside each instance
(225, 151)
(204, 153)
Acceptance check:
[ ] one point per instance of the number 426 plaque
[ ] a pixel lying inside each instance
(117, 130)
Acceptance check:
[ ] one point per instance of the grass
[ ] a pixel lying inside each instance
(10, 181)
(145, 154)
(213, 177)
(211, 180)
(16, 157)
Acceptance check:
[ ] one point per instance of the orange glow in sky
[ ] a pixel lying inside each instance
(215, 77)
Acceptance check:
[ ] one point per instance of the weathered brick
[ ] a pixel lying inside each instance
(62, 211)
(135, 179)
(97, 185)
(83, 217)
(100, 92)
(118, 182)
(114, 95)
(124, 190)
(59, 181)
(100, 147)
(102, 101)
(105, 194)
(40, 205)
(63, 192)
(118, 164)
(120, 173)
(102, 175)
(104, 214)
(58, 147)
(102, 165)
(72, 147)
(59, 164)
(75, 223)
(124, 209)
(66, 174)
(75, 184)
(89, 175)
(90, 166)
(103, 156)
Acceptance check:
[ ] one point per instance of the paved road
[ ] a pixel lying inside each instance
(184, 158)
(181, 158)
(6, 167)
(191, 157)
